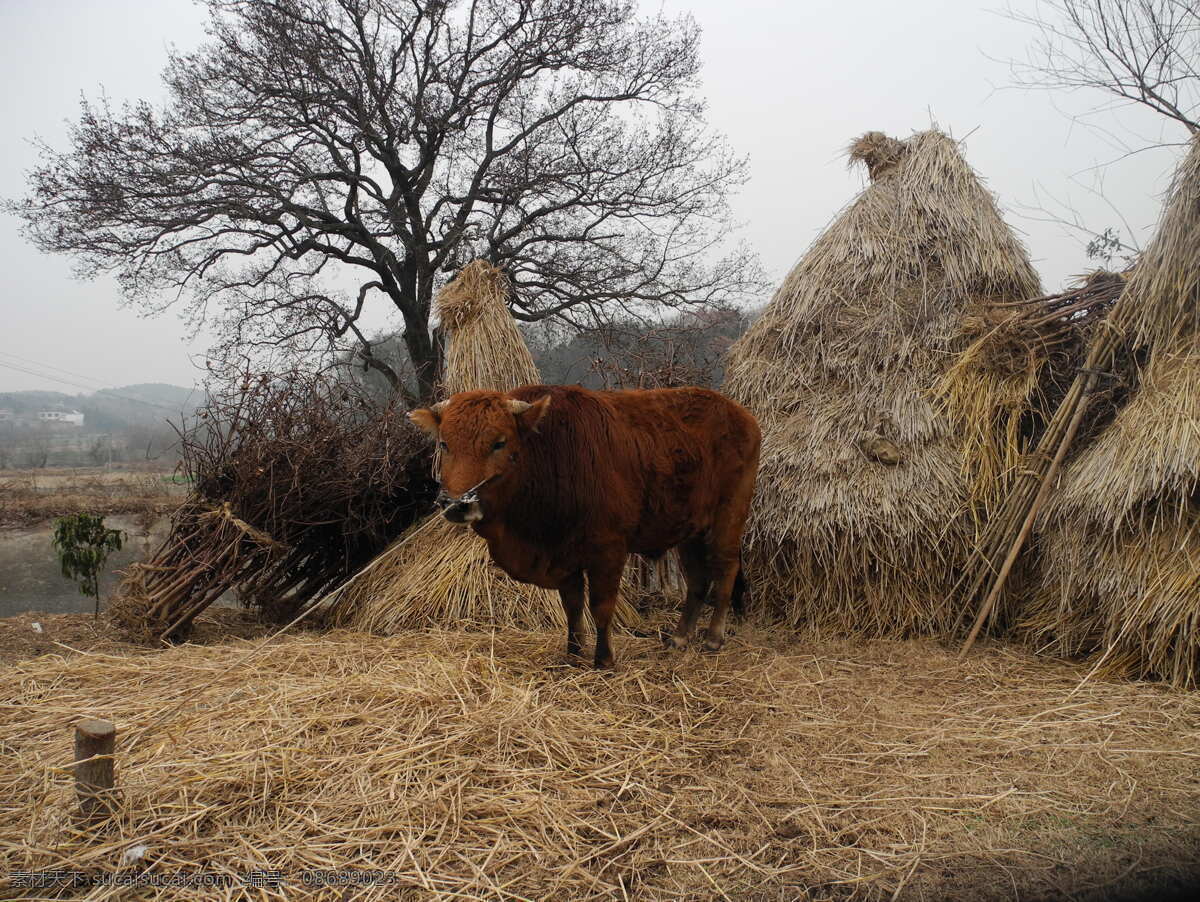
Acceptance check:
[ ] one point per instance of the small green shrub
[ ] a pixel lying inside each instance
(83, 543)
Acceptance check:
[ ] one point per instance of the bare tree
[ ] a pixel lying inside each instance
(689, 349)
(315, 156)
(1142, 52)
(37, 449)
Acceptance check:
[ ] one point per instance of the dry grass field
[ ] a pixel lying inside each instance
(28, 497)
(477, 765)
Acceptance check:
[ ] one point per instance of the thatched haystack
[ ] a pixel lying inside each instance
(441, 573)
(862, 515)
(486, 349)
(1119, 544)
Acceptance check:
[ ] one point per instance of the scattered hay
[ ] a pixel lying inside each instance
(85, 633)
(842, 362)
(462, 765)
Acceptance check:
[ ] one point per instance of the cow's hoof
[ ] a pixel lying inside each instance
(679, 643)
(714, 645)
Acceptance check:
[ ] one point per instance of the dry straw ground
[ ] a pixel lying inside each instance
(476, 766)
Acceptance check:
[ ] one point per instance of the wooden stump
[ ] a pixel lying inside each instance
(95, 741)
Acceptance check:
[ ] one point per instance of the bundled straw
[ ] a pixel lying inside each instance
(861, 519)
(441, 573)
(1007, 384)
(1120, 539)
(486, 349)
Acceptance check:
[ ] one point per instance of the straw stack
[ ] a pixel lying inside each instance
(441, 573)
(486, 350)
(1119, 544)
(865, 491)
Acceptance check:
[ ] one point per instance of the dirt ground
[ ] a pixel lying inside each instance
(477, 765)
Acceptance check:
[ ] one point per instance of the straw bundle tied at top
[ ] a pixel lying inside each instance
(862, 512)
(441, 573)
(1119, 544)
(486, 349)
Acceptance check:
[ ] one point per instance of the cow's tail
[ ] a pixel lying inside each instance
(737, 598)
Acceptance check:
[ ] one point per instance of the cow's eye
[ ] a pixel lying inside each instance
(443, 446)
(498, 444)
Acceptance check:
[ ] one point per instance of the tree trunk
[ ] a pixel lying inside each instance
(424, 360)
(406, 294)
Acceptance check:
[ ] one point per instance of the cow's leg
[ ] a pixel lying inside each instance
(604, 582)
(695, 571)
(724, 566)
(723, 552)
(571, 594)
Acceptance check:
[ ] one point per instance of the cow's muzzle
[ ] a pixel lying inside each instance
(465, 508)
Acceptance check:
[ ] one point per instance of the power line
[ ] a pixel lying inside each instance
(48, 366)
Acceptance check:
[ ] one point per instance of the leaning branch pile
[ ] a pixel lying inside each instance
(299, 481)
(1003, 389)
(1062, 325)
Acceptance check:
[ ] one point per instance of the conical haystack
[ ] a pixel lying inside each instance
(441, 573)
(1119, 545)
(862, 514)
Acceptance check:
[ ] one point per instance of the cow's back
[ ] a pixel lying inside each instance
(651, 467)
(698, 449)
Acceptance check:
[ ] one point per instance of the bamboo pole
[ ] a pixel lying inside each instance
(1034, 509)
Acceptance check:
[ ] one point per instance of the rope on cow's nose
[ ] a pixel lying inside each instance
(471, 491)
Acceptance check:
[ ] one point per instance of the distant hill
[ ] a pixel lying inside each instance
(113, 409)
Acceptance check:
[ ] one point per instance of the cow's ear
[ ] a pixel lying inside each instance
(528, 416)
(428, 418)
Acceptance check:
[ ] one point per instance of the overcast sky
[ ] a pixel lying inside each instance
(790, 83)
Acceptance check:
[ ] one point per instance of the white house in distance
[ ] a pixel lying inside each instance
(61, 418)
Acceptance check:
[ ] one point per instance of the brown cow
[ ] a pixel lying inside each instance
(563, 481)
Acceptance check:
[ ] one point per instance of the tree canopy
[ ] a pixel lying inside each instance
(315, 156)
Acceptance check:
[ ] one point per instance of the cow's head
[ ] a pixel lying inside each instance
(480, 436)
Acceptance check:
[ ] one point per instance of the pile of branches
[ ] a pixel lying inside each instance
(1057, 329)
(1082, 402)
(298, 482)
